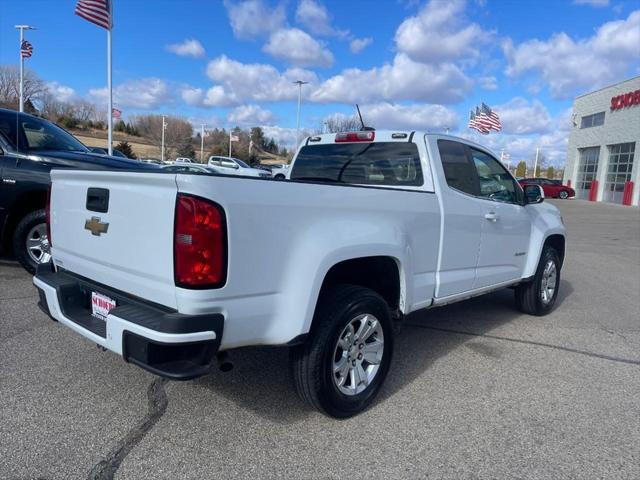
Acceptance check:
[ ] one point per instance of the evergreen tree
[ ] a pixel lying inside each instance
(521, 169)
(551, 172)
(125, 148)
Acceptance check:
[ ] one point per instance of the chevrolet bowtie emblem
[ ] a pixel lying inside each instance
(95, 226)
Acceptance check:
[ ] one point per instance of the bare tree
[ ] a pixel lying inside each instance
(34, 87)
(339, 123)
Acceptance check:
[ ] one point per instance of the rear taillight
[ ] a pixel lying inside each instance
(366, 136)
(47, 211)
(200, 243)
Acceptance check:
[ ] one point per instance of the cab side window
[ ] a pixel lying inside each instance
(458, 171)
(495, 181)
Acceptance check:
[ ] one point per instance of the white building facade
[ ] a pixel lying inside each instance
(603, 157)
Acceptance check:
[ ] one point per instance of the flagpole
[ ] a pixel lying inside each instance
(202, 143)
(22, 28)
(162, 148)
(535, 165)
(229, 142)
(110, 113)
(21, 71)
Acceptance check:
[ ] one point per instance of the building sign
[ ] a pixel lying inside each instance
(625, 100)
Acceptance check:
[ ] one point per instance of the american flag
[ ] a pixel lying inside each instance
(475, 122)
(115, 113)
(26, 49)
(492, 118)
(95, 11)
(484, 120)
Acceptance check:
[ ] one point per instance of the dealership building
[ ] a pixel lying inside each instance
(603, 161)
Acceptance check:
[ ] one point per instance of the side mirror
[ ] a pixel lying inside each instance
(533, 194)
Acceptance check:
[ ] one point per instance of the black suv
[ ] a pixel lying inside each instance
(30, 148)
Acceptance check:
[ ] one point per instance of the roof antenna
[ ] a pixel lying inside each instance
(364, 127)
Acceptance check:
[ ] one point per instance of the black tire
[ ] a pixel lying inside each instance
(279, 177)
(20, 238)
(529, 295)
(564, 194)
(313, 361)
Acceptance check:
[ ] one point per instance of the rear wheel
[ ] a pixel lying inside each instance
(279, 176)
(564, 194)
(31, 242)
(538, 296)
(342, 366)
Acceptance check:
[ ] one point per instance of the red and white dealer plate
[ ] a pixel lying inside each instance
(101, 305)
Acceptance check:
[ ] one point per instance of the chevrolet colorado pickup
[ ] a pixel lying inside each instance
(168, 270)
(29, 148)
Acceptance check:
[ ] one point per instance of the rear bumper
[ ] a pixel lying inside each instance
(158, 339)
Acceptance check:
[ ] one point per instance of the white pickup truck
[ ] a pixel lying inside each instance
(169, 270)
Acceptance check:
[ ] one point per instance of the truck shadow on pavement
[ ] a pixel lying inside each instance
(261, 380)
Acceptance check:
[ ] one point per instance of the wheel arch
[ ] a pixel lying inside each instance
(380, 273)
(24, 203)
(556, 241)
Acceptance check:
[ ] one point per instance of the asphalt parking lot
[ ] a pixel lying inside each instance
(477, 390)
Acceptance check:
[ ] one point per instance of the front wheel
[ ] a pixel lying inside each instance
(342, 366)
(538, 296)
(31, 242)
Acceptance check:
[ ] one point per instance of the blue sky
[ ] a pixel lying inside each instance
(409, 64)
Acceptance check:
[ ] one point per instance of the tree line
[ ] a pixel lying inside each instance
(179, 138)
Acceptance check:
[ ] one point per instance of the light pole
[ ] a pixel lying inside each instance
(164, 125)
(202, 143)
(535, 164)
(299, 83)
(22, 28)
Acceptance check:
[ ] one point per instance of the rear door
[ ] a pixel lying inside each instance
(461, 222)
(506, 226)
(116, 228)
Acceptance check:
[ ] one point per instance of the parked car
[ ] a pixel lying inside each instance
(170, 270)
(279, 172)
(552, 188)
(236, 166)
(183, 160)
(193, 168)
(29, 148)
(104, 151)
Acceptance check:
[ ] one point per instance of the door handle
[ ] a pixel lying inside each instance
(491, 216)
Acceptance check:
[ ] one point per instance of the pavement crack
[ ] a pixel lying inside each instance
(157, 402)
(531, 342)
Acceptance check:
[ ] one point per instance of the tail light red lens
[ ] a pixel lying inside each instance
(47, 210)
(367, 136)
(200, 243)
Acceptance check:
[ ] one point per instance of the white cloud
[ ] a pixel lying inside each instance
(519, 116)
(238, 82)
(283, 136)
(296, 47)
(408, 117)
(358, 44)
(552, 142)
(404, 79)
(192, 96)
(61, 93)
(488, 83)
(571, 66)
(253, 18)
(143, 93)
(250, 115)
(437, 33)
(189, 48)
(593, 3)
(315, 17)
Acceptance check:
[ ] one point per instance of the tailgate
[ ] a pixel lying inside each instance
(134, 252)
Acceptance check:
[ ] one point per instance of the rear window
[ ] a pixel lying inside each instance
(382, 163)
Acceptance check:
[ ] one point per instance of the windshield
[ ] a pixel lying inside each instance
(41, 135)
(382, 163)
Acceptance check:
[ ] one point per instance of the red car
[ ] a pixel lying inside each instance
(552, 188)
